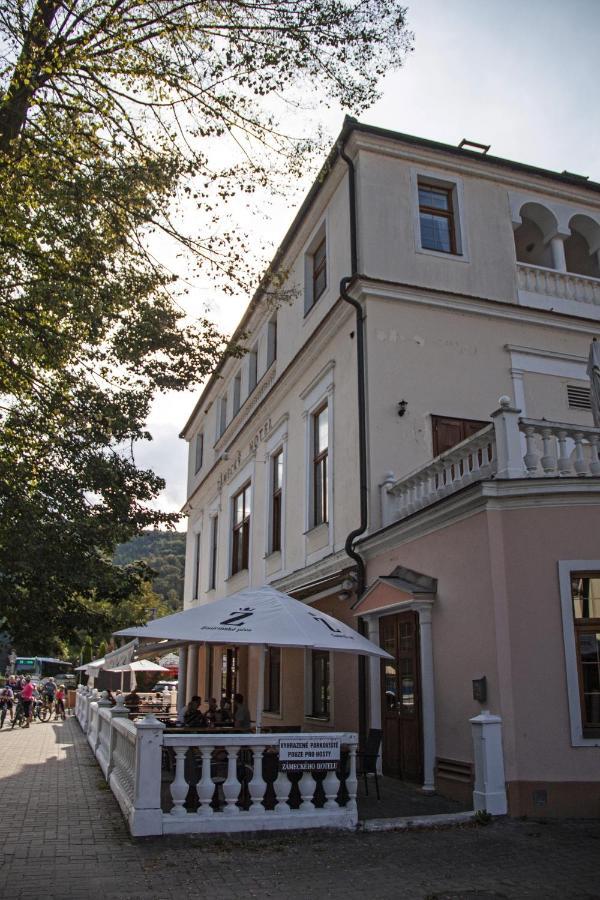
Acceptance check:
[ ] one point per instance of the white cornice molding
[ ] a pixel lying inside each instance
(329, 566)
(488, 307)
(541, 185)
(519, 493)
(551, 354)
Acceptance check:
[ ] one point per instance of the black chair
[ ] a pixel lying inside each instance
(366, 759)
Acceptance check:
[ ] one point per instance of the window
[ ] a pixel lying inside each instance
(319, 270)
(315, 269)
(436, 218)
(320, 442)
(237, 392)
(199, 452)
(319, 684)
(273, 680)
(196, 586)
(241, 530)
(271, 341)
(585, 594)
(252, 369)
(214, 534)
(222, 423)
(276, 499)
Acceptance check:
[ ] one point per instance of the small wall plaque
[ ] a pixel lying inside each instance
(480, 689)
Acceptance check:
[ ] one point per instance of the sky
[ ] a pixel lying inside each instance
(520, 75)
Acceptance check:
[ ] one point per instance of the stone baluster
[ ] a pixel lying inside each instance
(564, 460)
(307, 786)
(205, 786)
(439, 477)
(331, 787)
(387, 499)
(595, 458)
(179, 787)
(531, 457)
(281, 787)
(581, 466)
(351, 781)
(231, 787)
(258, 785)
(548, 459)
(419, 491)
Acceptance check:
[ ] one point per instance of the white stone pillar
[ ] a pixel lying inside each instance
(182, 681)
(192, 671)
(146, 816)
(489, 793)
(557, 247)
(427, 696)
(508, 440)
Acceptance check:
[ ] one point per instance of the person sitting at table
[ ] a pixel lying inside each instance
(241, 713)
(193, 715)
(133, 701)
(213, 711)
(223, 714)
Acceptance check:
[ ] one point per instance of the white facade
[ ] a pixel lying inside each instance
(446, 332)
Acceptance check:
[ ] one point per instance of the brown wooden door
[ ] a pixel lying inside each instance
(401, 697)
(447, 432)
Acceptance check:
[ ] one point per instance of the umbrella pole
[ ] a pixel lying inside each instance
(260, 692)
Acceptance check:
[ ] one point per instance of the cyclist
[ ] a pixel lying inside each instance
(6, 703)
(49, 693)
(59, 706)
(27, 698)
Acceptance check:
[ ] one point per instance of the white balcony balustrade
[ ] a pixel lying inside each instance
(561, 285)
(202, 783)
(552, 450)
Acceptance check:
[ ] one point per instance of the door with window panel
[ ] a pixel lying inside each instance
(401, 697)
(585, 592)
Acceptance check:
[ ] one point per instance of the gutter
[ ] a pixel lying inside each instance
(360, 360)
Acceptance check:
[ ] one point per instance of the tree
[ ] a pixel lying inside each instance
(114, 113)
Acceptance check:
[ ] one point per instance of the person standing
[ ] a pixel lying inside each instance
(241, 713)
(6, 703)
(27, 699)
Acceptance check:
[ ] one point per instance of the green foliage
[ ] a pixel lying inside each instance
(87, 651)
(113, 115)
(163, 552)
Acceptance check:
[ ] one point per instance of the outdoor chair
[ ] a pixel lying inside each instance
(366, 759)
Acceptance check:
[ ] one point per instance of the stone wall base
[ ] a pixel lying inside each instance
(554, 799)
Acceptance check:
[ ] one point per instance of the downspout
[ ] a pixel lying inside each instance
(362, 433)
(360, 360)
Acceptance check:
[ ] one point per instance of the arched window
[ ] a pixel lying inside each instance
(581, 248)
(532, 237)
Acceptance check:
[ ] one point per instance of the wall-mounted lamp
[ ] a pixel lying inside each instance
(402, 407)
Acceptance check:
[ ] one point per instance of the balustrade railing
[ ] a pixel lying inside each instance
(235, 784)
(200, 783)
(562, 285)
(552, 449)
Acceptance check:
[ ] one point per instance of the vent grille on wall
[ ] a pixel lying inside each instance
(579, 397)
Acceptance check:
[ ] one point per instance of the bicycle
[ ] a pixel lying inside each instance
(20, 717)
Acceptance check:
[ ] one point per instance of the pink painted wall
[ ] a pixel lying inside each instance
(497, 613)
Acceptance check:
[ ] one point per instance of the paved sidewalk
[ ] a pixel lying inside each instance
(62, 837)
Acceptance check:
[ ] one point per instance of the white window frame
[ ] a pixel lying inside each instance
(197, 557)
(198, 442)
(271, 340)
(448, 181)
(213, 552)
(242, 477)
(252, 369)
(320, 391)
(221, 417)
(321, 233)
(565, 568)
(308, 686)
(236, 399)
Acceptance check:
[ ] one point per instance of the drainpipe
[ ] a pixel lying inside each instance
(362, 433)
(360, 360)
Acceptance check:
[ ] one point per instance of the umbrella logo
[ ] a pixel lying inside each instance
(326, 623)
(237, 616)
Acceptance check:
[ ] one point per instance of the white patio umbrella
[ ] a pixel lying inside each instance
(593, 370)
(259, 616)
(140, 665)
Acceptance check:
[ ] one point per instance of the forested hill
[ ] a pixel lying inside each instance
(164, 552)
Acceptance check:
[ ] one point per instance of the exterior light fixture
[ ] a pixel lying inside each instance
(402, 407)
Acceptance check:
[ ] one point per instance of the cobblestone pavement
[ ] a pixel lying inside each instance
(62, 836)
